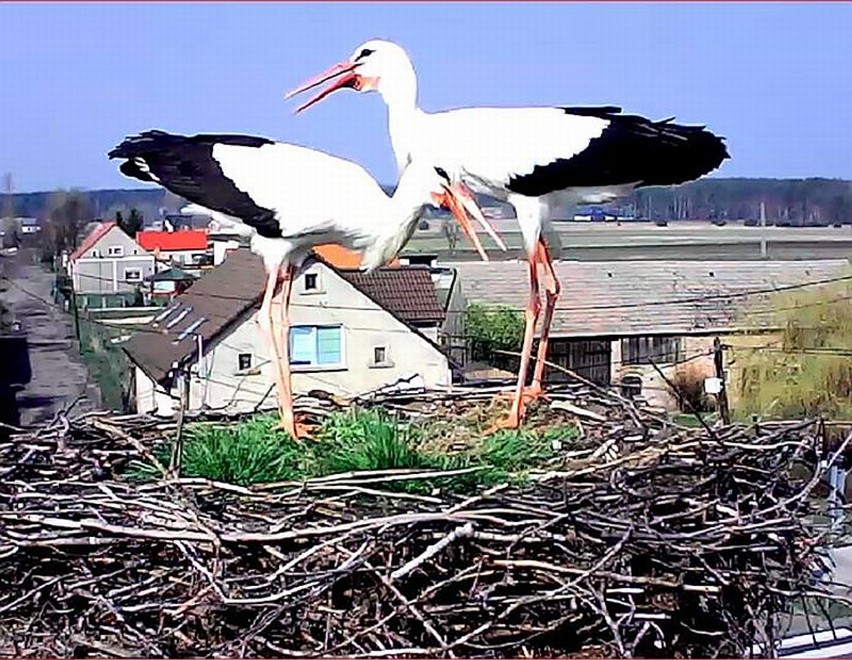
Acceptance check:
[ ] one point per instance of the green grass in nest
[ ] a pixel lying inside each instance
(253, 452)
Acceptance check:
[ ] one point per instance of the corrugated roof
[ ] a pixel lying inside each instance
(91, 240)
(184, 239)
(645, 297)
(222, 296)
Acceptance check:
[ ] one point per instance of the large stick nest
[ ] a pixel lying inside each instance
(644, 540)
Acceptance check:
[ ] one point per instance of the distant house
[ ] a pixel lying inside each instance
(109, 268)
(168, 283)
(28, 226)
(186, 248)
(352, 333)
(614, 319)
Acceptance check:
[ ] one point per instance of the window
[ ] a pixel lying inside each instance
(244, 360)
(115, 251)
(311, 282)
(316, 346)
(132, 275)
(642, 350)
(380, 354)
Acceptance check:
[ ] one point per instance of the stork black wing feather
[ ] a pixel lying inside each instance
(631, 149)
(185, 165)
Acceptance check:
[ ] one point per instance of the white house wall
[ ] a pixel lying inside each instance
(150, 398)
(96, 272)
(220, 384)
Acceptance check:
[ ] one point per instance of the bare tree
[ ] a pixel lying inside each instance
(67, 216)
(450, 230)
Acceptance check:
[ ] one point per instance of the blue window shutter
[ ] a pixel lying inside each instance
(328, 345)
(302, 346)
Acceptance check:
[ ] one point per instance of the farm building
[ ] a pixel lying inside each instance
(615, 318)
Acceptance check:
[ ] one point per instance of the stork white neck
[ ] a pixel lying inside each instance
(395, 219)
(398, 88)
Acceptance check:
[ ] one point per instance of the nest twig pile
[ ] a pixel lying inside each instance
(645, 540)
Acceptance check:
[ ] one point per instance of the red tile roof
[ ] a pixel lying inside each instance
(91, 240)
(165, 241)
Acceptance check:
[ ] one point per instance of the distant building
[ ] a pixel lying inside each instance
(109, 268)
(28, 226)
(613, 319)
(352, 333)
(186, 248)
(166, 284)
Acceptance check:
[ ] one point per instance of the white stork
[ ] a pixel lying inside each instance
(292, 199)
(534, 158)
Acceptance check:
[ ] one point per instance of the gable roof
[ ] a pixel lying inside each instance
(184, 239)
(398, 291)
(92, 239)
(622, 298)
(223, 296)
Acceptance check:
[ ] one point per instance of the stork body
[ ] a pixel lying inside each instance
(535, 158)
(290, 199)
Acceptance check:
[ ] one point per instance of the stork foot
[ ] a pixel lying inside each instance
(531, 393)
(511, 423)
(296, 429)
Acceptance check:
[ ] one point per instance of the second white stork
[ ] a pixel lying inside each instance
(293, 198)
(536, 159)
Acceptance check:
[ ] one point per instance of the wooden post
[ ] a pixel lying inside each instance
(75, 311)
(177, 449)
(722, 397)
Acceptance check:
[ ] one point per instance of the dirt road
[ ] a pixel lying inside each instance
(58, 375)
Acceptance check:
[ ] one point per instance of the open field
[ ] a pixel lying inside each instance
(685, 240)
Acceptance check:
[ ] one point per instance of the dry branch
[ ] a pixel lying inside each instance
(671, 542)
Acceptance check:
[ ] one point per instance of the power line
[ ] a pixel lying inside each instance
(742, 293)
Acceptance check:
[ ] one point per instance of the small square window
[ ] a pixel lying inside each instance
(132, 275)
(310, 282)
(115, 251)
(380, 354)
(244, 361)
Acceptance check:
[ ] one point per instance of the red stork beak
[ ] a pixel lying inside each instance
(460, 201)
(348, 78)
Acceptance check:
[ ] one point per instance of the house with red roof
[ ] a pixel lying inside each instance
(188, 249)
(109, 268)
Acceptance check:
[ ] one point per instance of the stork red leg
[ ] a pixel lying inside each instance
(282, 338)
(266, 321)
(552, 290)
(516, 413)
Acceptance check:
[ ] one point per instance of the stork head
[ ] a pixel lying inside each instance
(432, 185)
(375, 65)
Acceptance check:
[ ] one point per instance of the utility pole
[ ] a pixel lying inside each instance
(9, 200)
(722, 396)
(75, 311)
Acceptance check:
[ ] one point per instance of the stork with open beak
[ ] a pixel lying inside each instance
(291, 199)
(536, 159)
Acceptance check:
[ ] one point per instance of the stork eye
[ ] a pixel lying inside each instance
(364, 53)
(442, 173)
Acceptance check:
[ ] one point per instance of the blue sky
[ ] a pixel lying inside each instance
(774, 78)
